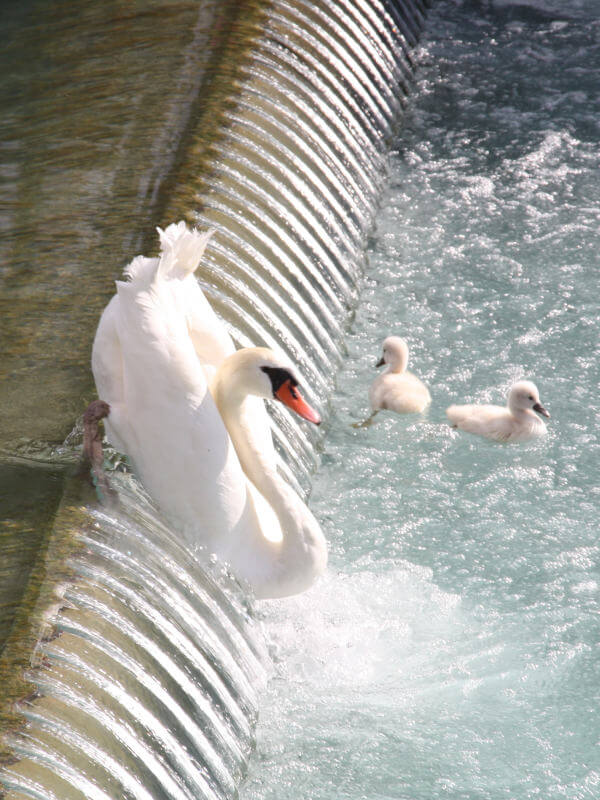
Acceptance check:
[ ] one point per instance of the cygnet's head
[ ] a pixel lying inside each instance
(523, 396)
(395, 354)
(260, 371)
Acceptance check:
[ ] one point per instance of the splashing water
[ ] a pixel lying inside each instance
(452, 651)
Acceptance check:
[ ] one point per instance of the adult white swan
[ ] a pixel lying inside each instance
(205, 456)
(517, 422)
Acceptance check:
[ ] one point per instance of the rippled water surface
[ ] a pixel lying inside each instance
(452, 651)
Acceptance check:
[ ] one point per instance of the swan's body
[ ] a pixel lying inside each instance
(209, 463)
(516, 422)
(397, 389)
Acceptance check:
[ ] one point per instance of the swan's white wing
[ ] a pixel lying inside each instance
(209, 336)
(493, 422)
(162, 414)
(403, 393)
(107, 366)
(181, 252)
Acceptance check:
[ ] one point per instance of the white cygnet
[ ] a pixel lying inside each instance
(396, 389)
(517, 422)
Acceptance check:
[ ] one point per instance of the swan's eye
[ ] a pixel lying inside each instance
(278, 376)
(531, 397)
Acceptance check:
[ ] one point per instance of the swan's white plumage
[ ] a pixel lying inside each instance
(516, 422)
(158, 347)
(397, 389)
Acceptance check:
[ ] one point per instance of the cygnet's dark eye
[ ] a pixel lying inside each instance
(531, 397)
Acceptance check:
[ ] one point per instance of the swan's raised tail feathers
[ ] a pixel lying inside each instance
(180, 253)
(181, 250)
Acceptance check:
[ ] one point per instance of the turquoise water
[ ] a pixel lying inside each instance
(452, 650)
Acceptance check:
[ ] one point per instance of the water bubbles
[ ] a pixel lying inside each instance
(452, 646)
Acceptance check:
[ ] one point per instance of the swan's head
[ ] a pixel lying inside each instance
(262, 372)
(395, 354)
(523, 396)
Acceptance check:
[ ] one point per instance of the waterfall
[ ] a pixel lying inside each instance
(145, 678)
(143, 683)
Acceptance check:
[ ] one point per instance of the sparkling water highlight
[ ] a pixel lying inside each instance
(452, 650)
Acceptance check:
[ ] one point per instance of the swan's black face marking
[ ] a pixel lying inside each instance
(283, 385)
(382, 360)
(278, 376)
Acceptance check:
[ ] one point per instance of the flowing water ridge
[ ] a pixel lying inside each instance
(143, 683)
(144, 680)
(294, 178)
(452, 652)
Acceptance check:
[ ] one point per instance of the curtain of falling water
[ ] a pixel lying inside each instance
(144, 679)
(143, 686)
(291, 178)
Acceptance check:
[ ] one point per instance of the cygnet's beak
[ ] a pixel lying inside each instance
(380, 363)
(291, 397)
(541, 410)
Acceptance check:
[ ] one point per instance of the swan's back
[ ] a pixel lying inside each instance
(495, 422)
(397, 389)
(402, 392)
(157, 341)
(491, 421)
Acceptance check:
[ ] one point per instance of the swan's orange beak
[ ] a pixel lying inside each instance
(291, 397)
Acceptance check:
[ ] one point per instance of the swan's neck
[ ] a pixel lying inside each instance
(291, 564)
(527, 419)
(256, 455)
(523, 413)
(398, 366)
